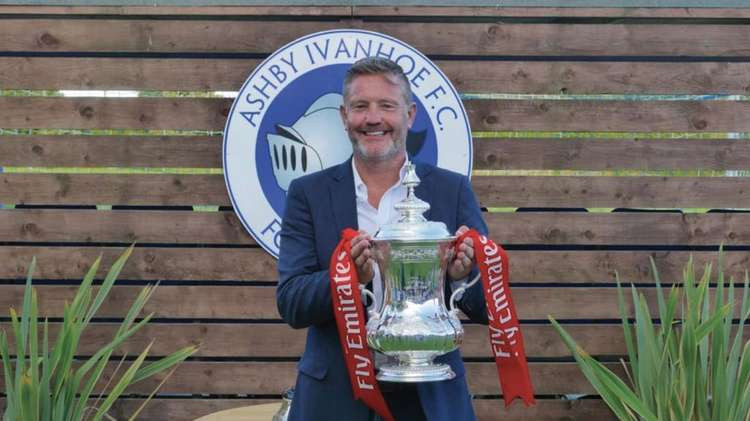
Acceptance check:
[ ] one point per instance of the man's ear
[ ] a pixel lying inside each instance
(412, 113)
(342, 113)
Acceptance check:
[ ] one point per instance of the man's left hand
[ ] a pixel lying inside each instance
(463, 261)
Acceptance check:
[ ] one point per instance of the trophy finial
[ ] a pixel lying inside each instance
(412, 207)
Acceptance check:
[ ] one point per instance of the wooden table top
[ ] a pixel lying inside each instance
(262, 412)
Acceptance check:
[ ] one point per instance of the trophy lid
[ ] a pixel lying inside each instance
(412, 225)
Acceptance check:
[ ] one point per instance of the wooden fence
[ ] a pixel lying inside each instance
(571, 109)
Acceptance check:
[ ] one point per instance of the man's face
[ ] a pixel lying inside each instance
(377, 117)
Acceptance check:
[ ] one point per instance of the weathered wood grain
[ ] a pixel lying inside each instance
(123, 226)
(110, 113)
(638, 116)
(543, 410)
(259, 302)
(549, 12)
(492, 191)
(271, 378)
(125, 10)
(280, 340)
(518, 76)
(364, 11)
(620, 228)
(253, 264)
(211, 228)
(113, 189)
(565, 77)
(616, 192)
(111, 151)
(610, 154)
(125, 73)
(489, 154)
(211, 36)
(484, 115)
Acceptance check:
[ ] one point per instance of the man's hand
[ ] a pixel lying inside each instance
(463, 261)
(362, 256)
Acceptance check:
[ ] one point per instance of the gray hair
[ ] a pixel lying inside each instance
(378, 66)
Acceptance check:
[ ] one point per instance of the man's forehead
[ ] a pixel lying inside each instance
(391, 79)
(388, 77)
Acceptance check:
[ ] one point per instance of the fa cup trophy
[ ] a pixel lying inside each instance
(412, 325)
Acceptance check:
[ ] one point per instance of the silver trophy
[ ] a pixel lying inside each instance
(412, 324)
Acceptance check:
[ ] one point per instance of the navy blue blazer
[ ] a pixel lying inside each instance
(318, 207)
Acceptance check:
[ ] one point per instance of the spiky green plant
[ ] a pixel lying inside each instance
(45, 383)
(688, 367)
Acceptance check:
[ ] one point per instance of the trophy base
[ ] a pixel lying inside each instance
(415, 373)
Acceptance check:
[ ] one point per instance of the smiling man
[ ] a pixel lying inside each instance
(377, 112)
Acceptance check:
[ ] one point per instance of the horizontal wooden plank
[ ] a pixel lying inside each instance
(610, 154)
(402, 10)
(543, 410)
(259, 302)
(186, 409)
(492, 191)
(123, 226)
(518, 115)
(489, 154)
(271, 378)
(613, 192)
(111, 151)
(279, 340)
(160, 10)
(113, 189)
(125, 73)
(598, 77)
(617, 228)
(226, 264)
(554, 115)
(456, 37)
(109, 113)
(620, 228)
(548, 12)
(517, 76)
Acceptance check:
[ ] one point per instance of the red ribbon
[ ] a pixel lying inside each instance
(504, 330)
(350, 320)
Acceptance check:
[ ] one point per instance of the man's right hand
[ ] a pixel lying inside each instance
(363, 257)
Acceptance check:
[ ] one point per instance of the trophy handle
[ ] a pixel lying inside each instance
(367, 293)
(459, 291)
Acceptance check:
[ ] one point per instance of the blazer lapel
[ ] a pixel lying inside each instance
(342, 199)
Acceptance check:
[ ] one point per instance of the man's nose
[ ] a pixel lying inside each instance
(373, 116)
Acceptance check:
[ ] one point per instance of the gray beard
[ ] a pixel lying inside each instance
(392, 152)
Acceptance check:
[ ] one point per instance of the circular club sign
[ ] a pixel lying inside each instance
(285, 121)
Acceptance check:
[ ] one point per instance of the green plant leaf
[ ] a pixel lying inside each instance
(611, 388)
(10, 399)
(43, 383)
(164, 363)
(109, 281)
(687, 368)
(628, 334)
(125, 380)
